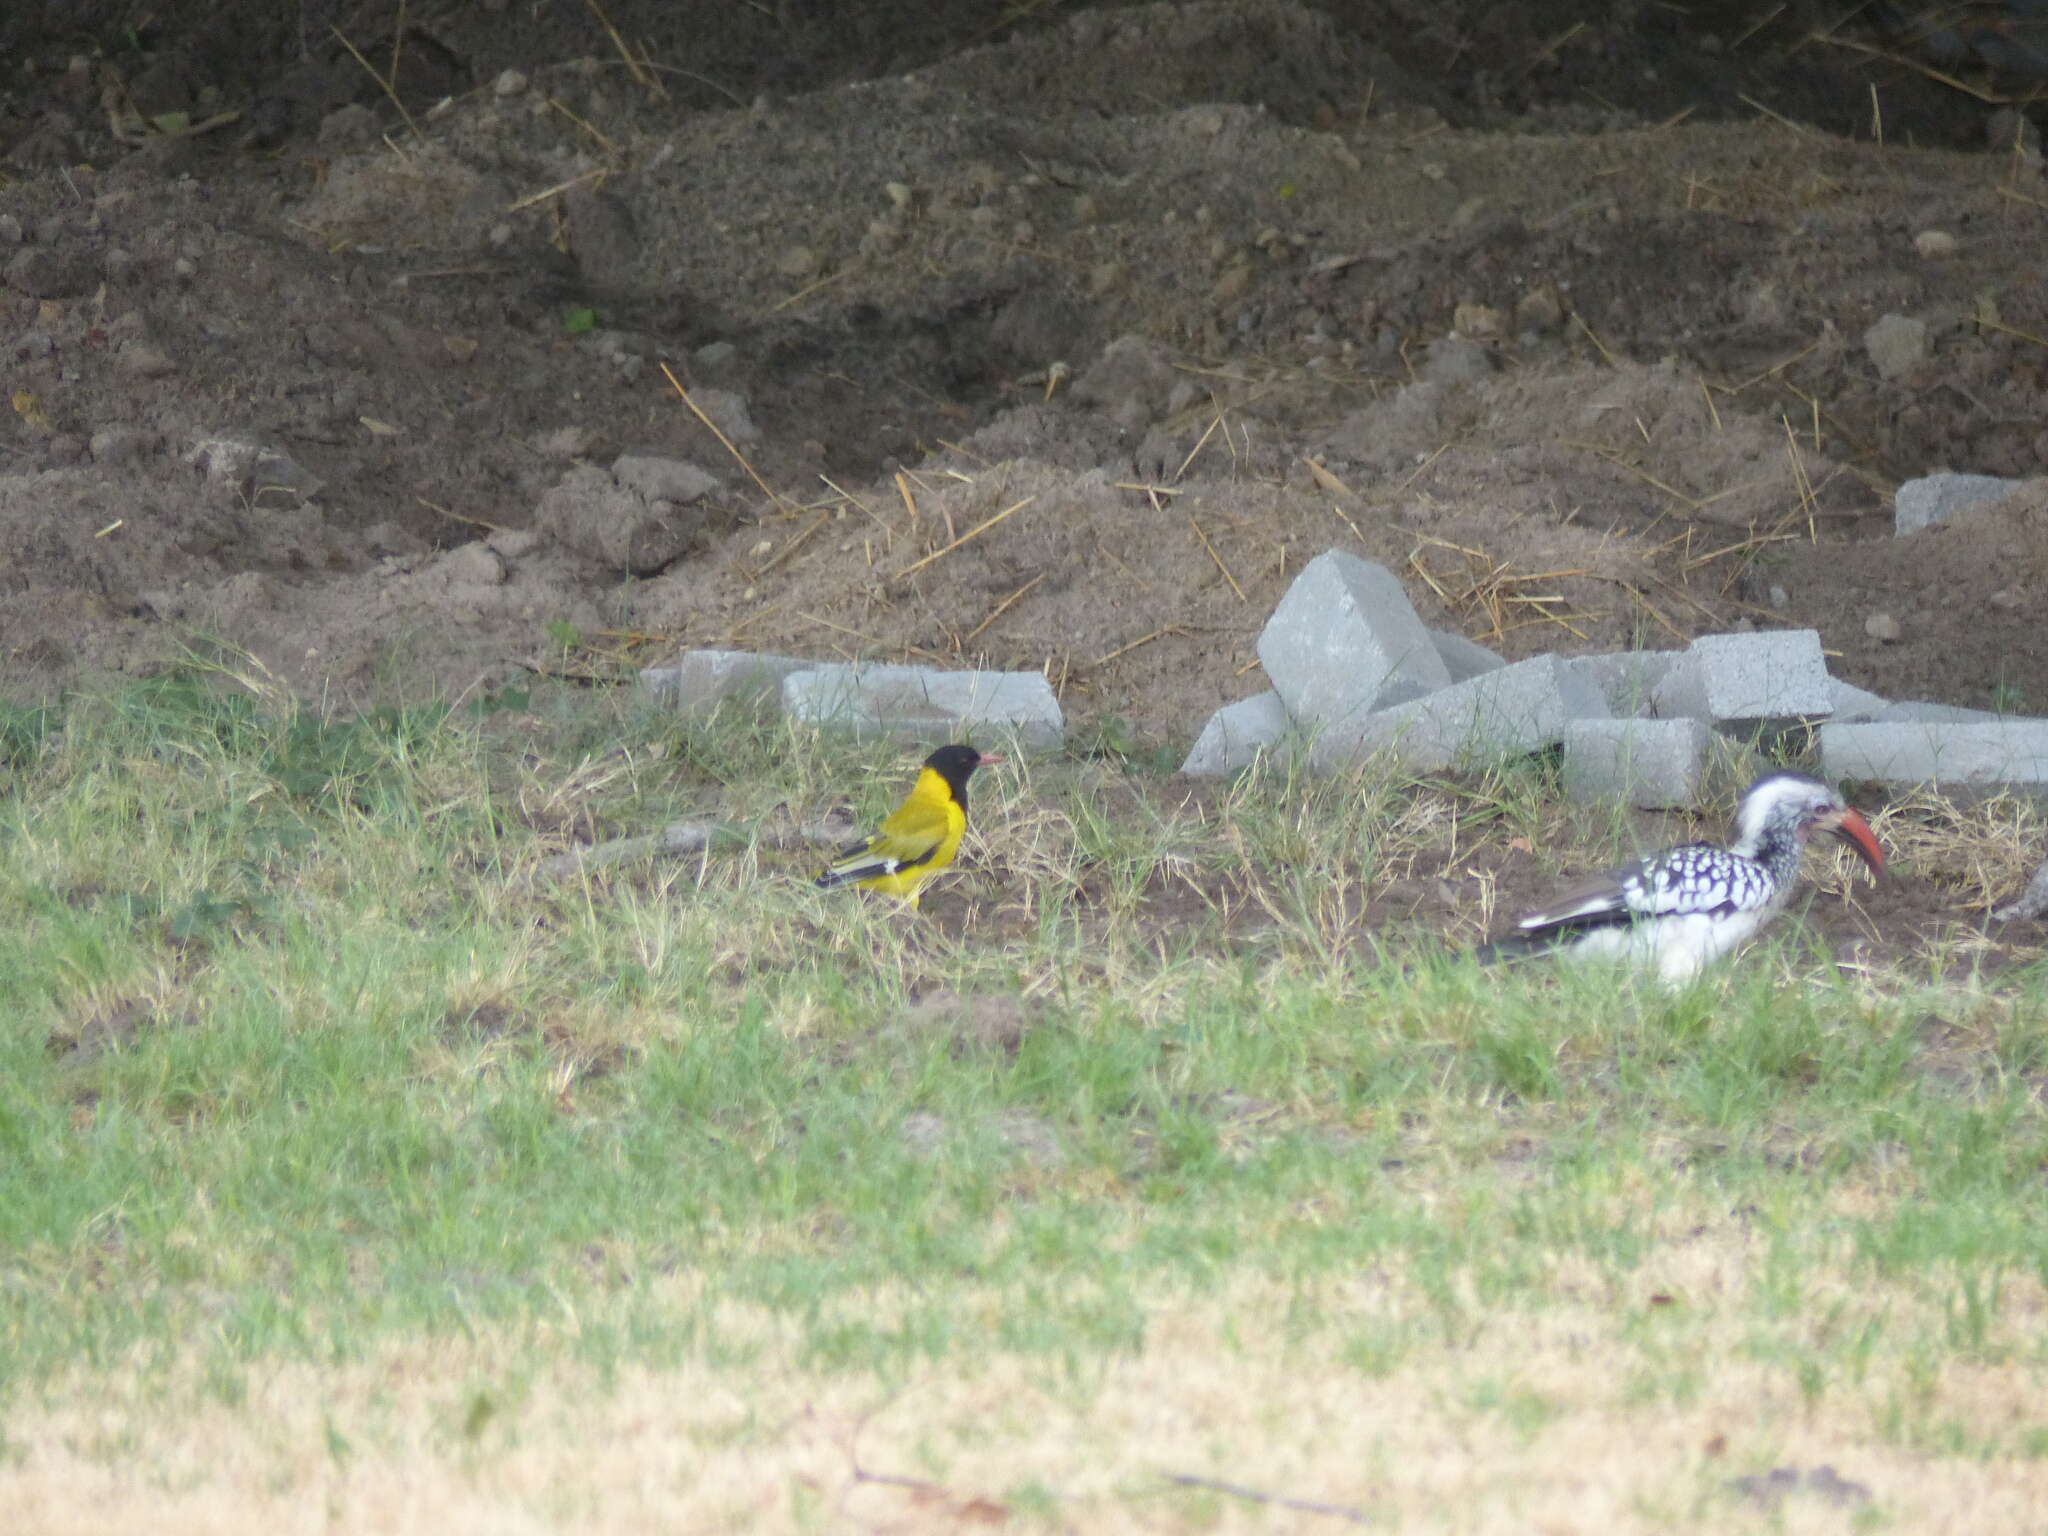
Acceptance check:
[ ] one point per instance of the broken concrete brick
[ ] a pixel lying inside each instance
(1934, 499)
(1464, 658)
(1984, 753)
(1853, 704)
(926, 704)
(697, 681)
(1234, 735)
(1654, 765)
(1747, 680)
(1345, 641)
(1626, 679)
(1520, 708)
(1913, 711)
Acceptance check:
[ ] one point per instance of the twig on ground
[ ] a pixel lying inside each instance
(725, 442)
(636, 66)
(1349, 1512)
(1004, 606)
(556, 190)
(1211, 549)
(1124, 650)
(389, 87)
(973, 533)
(705, 834)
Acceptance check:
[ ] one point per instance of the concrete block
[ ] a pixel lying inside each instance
(1345, 641)
(1234, 735)
(1853, 705)
(1626, 679)
(1900, 752)
(697, 681)
(1747, 680)
(1464, 658)
(1654, 765)
(1934, 499)
(925, 704)
(1913, 711)
(1520, 708)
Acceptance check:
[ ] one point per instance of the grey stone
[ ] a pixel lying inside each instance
(226, 462)
(1626, 679)
(923, 703)
(728, 411)
(1654, 765)
(1464, 658)
(471, 565)
(1516, 709)
(1897, 345)
(1234, 735)
(1853, 704)
(659, 479)
(1934, 499)
(697, 681)
(143, 360)
(714, 357)
(1898, 752)
(2032, 902)
(239, 470)
(572, 442)
(1747, 680)
(1345, 641)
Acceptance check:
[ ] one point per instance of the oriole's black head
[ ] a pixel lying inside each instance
(955, 763)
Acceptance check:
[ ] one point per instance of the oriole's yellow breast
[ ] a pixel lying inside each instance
(923, 834)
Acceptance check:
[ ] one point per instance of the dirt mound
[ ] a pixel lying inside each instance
(1587, 375)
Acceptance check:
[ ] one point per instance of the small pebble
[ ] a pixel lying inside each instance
(1935, 244)
(1477, 321)
(1882, 626)
(510, 82)
(144, 361)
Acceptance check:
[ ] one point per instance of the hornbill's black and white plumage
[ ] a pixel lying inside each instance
(1679, 909)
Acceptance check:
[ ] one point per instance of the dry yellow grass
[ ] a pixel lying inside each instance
(1221, 1387)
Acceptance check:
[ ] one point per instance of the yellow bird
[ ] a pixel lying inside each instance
(919, 837)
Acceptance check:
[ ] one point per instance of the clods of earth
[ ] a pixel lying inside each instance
(1058, 347)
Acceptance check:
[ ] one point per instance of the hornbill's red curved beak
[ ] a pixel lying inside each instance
(1852, 829)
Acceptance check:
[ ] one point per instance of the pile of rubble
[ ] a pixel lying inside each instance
(1357, 674)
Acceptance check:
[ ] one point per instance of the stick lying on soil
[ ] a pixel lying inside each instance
(700, 834)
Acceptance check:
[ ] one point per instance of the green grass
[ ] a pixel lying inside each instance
(384, 1084)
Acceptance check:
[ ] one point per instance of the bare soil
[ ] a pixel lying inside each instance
(1558, 310)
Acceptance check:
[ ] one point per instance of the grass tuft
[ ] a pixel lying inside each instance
(319, 1092)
